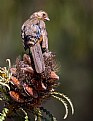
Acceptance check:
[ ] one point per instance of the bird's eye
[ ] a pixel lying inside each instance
(44, 14)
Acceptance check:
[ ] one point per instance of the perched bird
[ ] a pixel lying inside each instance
(34, 30)
(34, 35)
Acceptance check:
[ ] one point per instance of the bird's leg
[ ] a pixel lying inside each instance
(41, 39)
(44, 43)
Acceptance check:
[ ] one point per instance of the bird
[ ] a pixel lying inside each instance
(35, 38)
(34, 30)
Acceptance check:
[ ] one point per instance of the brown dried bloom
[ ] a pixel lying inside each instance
(29, 86)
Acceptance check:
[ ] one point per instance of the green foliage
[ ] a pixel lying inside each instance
(3, 115)
(26, 115)
(37, 114)
(5, 75)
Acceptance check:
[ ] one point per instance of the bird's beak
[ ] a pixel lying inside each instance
(47, 19)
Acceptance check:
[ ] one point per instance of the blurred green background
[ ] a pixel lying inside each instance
(70, 33)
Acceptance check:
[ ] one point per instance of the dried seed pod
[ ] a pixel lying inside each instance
(27, 59)
(16, 96)
(41, 86)
(54, 76)
(38, 85)
(13, 71)
(30, 91)
(28, 69)
(15, 81)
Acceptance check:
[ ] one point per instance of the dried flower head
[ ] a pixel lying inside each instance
(23, 88)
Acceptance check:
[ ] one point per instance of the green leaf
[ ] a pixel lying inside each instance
(3, 114)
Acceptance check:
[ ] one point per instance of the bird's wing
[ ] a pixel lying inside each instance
(31, 32)
(44, 35)
(30, 29)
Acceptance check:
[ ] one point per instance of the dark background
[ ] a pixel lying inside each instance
(70, 33)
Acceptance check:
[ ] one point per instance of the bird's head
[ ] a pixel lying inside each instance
(42, 15)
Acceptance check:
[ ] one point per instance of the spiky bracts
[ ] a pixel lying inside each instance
(22, 88)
